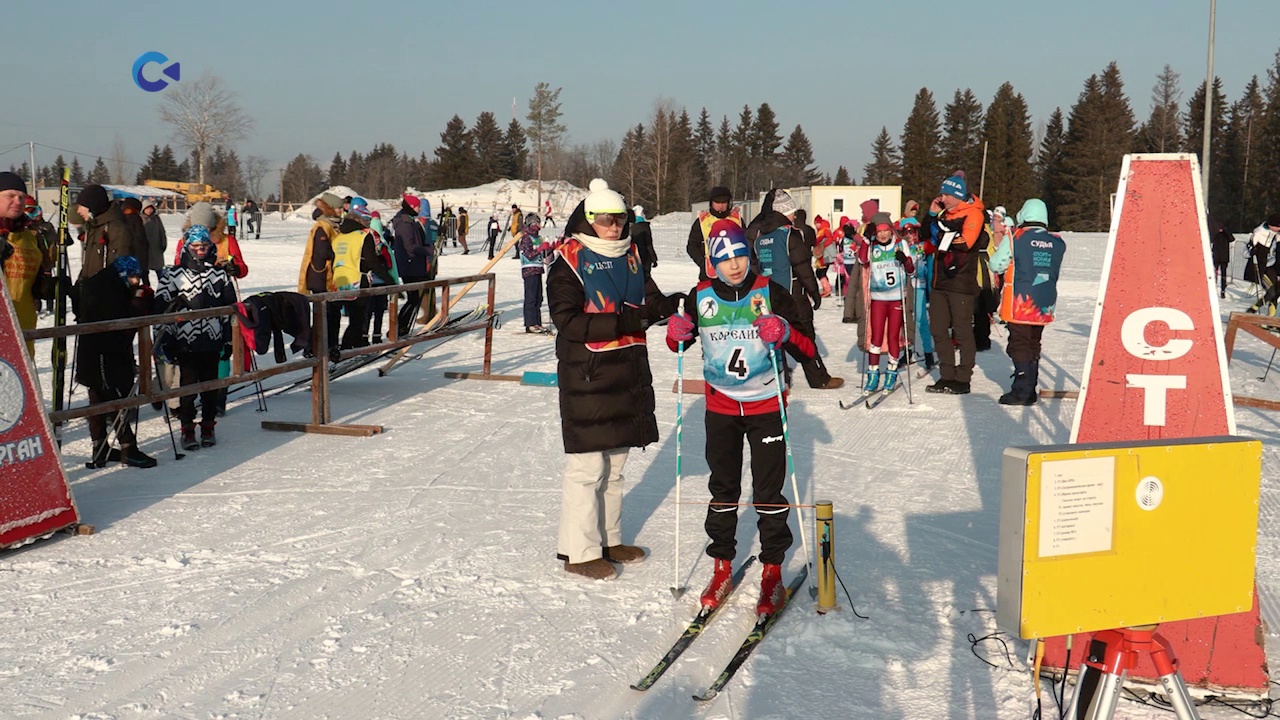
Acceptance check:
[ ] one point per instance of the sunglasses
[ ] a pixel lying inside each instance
(609, 219)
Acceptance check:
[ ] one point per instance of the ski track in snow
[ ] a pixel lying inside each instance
(412, 574)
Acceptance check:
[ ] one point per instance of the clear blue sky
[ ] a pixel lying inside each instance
(330, 75)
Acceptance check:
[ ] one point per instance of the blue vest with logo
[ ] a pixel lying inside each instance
(734, 359)
(771, 253)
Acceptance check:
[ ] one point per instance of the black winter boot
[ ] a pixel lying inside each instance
(1023, 391)
(207, 438)
(189, 441)
(133, 457)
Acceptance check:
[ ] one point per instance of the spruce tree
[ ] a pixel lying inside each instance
(962, 137)
(100, 174)
(741, 174)
(487, 139)
(1162, 132)
(885, 167)
(842, 177)
(763, 148)
(337, 170)
(545, 129)
(798, 168)
(1007, 131)
(1099, 134)
(923, 169)
(1049, 163)
(1241, 184)
(455, 157)
(721, 170)
(704, 148)
(78, 178)
(1268, 170)
(355, 175)
(58, 165)
(1193, 124)
(628, 169)
(515, 151)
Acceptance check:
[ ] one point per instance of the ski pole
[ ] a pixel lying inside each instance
(167, 419)
(791, 466)
(1268, 371)
(676, 589)
(906, 336)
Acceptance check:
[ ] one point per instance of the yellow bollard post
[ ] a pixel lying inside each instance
(826, 557)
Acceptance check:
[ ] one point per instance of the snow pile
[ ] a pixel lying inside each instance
(384, 208)
(499, 195)
(495, 197)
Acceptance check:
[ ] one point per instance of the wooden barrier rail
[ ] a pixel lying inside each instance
(317, 363)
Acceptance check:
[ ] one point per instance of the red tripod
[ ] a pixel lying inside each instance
(1112, 653)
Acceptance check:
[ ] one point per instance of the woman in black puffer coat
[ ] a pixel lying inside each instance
(601, 301)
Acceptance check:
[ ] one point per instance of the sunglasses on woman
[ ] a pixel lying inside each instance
(609, 219)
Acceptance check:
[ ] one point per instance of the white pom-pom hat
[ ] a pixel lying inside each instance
(602, 200)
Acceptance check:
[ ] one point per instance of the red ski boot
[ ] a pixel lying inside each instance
(720, 586)
(772, 592)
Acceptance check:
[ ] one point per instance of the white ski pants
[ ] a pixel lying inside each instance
(591, 504)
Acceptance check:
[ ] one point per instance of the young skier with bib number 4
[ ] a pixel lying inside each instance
(888, 264)
(744, 320)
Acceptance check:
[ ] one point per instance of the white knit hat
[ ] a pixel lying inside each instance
(784, 203)
(602, 200)
(638, 210)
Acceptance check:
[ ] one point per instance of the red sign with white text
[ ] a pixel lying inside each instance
(35, 499)
(1156, 368)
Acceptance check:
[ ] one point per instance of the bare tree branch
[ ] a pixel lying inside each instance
(255, 169)
(204, 113)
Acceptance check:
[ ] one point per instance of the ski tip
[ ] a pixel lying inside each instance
(637, 688)
(706, 698)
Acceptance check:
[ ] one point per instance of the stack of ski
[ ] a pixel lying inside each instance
(757, 634)
(62, 282)
(350, 365)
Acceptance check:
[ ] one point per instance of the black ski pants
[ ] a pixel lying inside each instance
(951, 315)
(197, 367)
(768, 475)
(815, 371)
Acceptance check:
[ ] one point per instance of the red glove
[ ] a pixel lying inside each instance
(774, 330)
(679, 329)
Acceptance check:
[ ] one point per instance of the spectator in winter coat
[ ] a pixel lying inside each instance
(464, 224)
(233, 218)
(22, 267)
(106, 234)
(1220, 239)
(157, 241)
(105, 361)
(413, 255)
(958, 229)
(47, 240)
(744, 322)
(516, 222)
(494, 230)
(196, 346)
(131, 208)
(642, 236)
(771, 230)
(601, 301)
(356, 261)
(1261, 243)
(534, 254)
(1031, 259)
(228, 251)
(718, 208)
(316, 273)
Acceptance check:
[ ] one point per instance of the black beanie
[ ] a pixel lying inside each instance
(11, 181)
(1273, 221)
(719, 192)
(94, 199)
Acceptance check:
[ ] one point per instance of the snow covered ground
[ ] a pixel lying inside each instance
(413, 574)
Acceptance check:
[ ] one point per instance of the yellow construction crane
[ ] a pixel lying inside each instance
(194, 192)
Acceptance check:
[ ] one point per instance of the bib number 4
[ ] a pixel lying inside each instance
(736, 365)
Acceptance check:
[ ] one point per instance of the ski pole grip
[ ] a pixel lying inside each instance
(823, 517)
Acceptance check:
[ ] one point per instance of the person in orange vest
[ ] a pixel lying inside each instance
(720, 206)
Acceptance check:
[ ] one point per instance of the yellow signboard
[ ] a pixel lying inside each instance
(1111, 535)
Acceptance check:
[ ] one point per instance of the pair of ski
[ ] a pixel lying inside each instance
(871, 399)
(700, 622)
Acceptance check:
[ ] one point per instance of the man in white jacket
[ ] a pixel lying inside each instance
(1260, 244)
